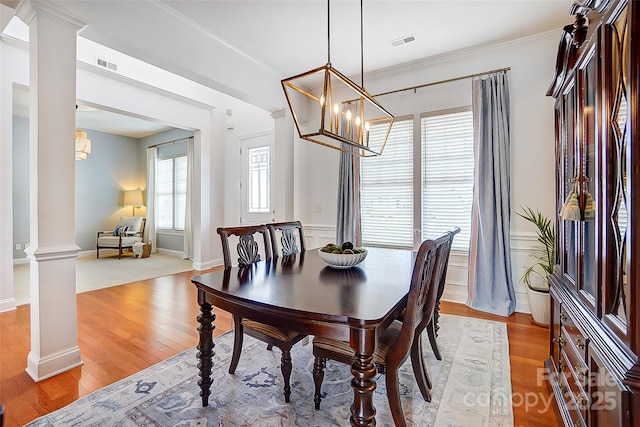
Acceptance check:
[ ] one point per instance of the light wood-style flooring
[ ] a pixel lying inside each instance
(124, 329)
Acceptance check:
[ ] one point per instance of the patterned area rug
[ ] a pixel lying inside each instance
(471, 387)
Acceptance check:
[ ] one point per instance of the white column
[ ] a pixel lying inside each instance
(53, 251)
(283, 166)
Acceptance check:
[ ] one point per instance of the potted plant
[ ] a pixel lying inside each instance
(535, 276)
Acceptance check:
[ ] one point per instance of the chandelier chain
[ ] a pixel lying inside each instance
(361, 48)
(328, 31)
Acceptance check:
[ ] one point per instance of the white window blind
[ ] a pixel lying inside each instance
(180, 195)
(447, 175)
(171, 192)
(386, 190)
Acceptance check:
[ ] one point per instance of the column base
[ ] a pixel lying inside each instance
(42, 368)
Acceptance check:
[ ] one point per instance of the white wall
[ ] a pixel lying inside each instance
(122, 94)
(315, 168)
(532, 140)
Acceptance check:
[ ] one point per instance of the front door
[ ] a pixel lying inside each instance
(256, 184)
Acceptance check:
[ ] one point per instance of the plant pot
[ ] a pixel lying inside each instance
(539, 306)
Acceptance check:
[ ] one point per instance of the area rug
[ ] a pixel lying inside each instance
(471, 387)
(92, 273)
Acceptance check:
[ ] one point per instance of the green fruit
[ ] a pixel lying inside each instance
(348, 251)
(336, 251)
(347, 245)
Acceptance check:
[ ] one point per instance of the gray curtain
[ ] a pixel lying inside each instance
(348, 227)
(490, 282)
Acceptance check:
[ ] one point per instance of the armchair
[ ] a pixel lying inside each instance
(129, 230)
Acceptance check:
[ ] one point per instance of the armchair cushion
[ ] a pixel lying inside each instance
(130, 230)
(134, 224)
(121, 229)
(108, 241)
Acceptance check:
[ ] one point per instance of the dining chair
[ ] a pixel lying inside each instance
(396, 343)
(432, 326)
(248, 252)
(289, 243)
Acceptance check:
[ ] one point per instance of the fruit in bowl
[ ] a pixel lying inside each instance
(342, 256)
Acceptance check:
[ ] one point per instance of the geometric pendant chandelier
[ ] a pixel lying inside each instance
(330, 109)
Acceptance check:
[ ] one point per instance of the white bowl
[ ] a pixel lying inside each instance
(342, 260)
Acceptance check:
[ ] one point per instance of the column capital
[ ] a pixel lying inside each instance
(279, 114)
(29, 9)
(52, 252)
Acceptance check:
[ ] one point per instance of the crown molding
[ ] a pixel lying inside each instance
(29, 9)
(12, 41)
(213, 37)
(423, 63)
(136, 83)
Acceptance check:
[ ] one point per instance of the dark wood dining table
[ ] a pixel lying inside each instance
(303, 294)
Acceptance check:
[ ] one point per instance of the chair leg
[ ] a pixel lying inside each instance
(393, 395)
(97, 252)
(431, 331)
(238, 335)
(419, 368)
(318, 375)
(286, 368)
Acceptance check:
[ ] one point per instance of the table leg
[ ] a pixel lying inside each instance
(363, 370)
(205, 346)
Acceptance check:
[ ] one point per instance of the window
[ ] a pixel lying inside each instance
(447, 174)
(386, 189)
(171, 192)
(392, 202)
(258, 178)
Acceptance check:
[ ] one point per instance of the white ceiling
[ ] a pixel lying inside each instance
(244, 48)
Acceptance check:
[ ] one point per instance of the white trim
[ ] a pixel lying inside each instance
(81, 65)
(8, 304)
(42, 368)
(214, 38)
(425, 63)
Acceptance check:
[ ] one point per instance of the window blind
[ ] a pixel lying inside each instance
(164, 193)
(447, 175)
(386, 189)
(180, 197)
(171, 192)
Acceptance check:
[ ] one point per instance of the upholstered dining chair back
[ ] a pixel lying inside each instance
(287, 238)
(250, 244)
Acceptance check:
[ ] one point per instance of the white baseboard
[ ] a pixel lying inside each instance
(8, 304)
(46, 367)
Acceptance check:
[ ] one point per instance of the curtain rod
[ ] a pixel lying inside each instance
(169, 142)
(443, 81)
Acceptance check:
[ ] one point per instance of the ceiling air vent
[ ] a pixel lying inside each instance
(107, 64)
(402, 40)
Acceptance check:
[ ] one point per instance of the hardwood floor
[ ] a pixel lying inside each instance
(155, 319)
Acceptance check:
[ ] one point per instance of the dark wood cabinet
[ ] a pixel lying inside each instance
(595, 291)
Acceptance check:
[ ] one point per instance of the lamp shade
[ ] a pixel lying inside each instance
(133, 198)
(331, 110)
